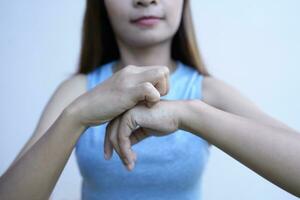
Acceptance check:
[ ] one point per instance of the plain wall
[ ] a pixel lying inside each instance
(252, 45)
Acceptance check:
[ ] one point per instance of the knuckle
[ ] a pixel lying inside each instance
(165, 70)
(161, 72)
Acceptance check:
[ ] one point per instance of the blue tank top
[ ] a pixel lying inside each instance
(168, 167)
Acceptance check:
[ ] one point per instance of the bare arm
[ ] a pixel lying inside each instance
(65, 93)
(43, 163)
(253, 138)
(270, 151)
(224, 96)
(35, 172)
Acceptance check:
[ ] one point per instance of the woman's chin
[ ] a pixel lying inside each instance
(147, 40)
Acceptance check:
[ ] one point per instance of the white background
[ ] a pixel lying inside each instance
(253, 45)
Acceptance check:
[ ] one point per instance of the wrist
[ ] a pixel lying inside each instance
(180, 109)
(185, 113)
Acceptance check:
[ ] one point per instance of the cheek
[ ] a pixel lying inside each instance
(117, 12)
(174, 12)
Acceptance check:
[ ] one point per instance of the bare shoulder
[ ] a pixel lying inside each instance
(224, 96)
(74, 85)
(65, 93)
(76, 82)
(214, 88)
(210, 86)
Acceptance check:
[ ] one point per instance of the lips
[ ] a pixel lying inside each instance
(150, 17)
(146, 21)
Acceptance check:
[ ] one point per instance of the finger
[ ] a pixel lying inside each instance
(164, 86)
(126, 126)
(108, 148)
(134, 156)
(156, 77)
(167, 79)
(112, 136)
(114, 140)
(145, 92)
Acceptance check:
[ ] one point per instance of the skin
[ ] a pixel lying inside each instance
(72, 109)
(36, 170)
(149, 45)
(254, 139)
(144, 46)
(145, 64)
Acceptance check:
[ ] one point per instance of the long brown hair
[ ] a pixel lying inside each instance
(99, 46)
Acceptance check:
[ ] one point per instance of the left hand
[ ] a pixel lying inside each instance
(135, 125)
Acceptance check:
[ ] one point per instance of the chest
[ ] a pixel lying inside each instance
(170, 161)
(177, 158)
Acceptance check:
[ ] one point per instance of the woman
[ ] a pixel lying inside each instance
(152, 81)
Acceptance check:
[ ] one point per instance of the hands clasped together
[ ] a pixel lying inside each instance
(130, 101)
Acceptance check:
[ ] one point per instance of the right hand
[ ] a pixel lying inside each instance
(122, 91)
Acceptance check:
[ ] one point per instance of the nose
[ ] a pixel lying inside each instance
(144, 3)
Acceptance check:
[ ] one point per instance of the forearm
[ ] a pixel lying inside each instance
(35, 174)
(269, 151)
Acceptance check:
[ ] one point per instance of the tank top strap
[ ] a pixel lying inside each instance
(196, 85)
(191, 79)
(98, 75)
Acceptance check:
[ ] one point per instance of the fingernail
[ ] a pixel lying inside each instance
(131, 165)
(128, 167)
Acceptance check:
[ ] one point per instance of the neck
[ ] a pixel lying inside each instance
(159, 54)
